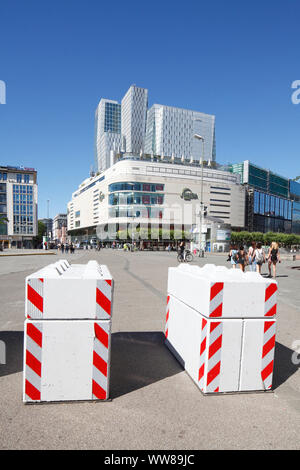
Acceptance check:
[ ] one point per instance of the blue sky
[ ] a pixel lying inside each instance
(234, 59)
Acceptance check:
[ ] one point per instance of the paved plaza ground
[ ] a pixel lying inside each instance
(155, 405)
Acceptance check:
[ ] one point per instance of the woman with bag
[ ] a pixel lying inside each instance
(260, 257)
(251, 257)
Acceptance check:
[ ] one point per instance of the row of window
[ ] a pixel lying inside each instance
(23, 219)
(21, 178)
(21, 189)
(89, 186)
(23, 229)
(23, 209)
(134, 186)
(3, 176)
(265, 204)
(117, 199)
(143, 212)
(23, 198)
(191, 173)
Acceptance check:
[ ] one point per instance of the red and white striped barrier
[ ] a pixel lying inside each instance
(69, 291)
(66, 360)
(66, 355)
(222, 352)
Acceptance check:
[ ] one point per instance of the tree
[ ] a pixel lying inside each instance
(38, 240)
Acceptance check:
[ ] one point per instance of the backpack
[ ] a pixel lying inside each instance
(259, 257)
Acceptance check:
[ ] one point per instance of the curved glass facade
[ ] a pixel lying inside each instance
(133, 199)
(135, 186)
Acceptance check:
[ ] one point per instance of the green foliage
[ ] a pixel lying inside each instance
(283, 239)
(41, 231)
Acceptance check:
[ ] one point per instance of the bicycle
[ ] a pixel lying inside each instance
(185, 257)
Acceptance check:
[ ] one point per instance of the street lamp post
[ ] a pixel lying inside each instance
(201, 251)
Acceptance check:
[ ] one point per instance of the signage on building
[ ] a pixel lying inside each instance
(188, 195)
(223, 235)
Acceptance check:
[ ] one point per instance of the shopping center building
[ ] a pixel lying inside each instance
(154, 192)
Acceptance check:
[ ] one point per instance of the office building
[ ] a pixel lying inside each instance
(170, 131)
(162, 130)
(133, 119)
(107, 132)
(269, 205)
(18, 206)
(59, 229)
(295, 197)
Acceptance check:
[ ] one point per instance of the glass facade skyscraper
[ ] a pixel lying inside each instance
(107, 132)
(162, 130)
(170, 131)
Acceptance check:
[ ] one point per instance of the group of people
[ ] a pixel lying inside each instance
(255, 257)
(65, 248)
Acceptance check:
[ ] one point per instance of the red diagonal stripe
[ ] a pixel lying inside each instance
(31, 391)
(41, 279)
(98, 391)
(99, 363)
(33, 363)
(101, 335)
(201, 372)
(168, 298)
(215, 289)
(270, 290)
(167, 316)
(268, 346)
(103, 301)
(203, 323)
(217, 389)
(272, 311)
(268, 325)
(34, 298)
(267, 371)
(214, 325)
(203, 346)
(214, 347)
(212, 374)
(34, 334)
(217, 312)
(166, 333)
(108, 281)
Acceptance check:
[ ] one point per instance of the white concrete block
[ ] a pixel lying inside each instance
(220, 292)
(63, 291)
(66, 360)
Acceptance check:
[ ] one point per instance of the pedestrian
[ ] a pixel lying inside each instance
(67, 248)
(62, 247)
(251, 257)
(273, 258)
(234, 256)
(181, 249)
(260, 257)
(241, 258)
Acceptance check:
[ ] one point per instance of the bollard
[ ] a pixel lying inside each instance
(67, 333)
(220, 325)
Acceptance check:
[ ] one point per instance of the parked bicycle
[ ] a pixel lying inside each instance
(185, 257)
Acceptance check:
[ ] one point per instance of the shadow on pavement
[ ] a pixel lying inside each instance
(283, 365)
(11, 346)
(139, 359)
